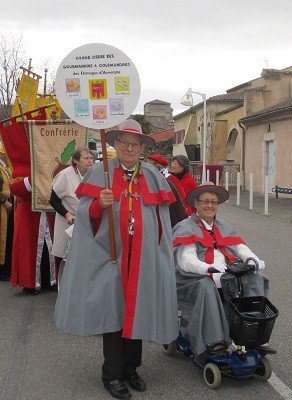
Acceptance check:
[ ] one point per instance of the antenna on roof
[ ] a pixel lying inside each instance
(266, 62)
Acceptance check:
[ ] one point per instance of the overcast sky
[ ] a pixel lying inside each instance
(210, 46)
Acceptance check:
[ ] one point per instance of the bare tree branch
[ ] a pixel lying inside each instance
(11, 58)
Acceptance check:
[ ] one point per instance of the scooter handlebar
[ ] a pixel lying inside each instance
(239, 268)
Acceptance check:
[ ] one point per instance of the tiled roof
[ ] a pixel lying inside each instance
(234, 96)
(270, 110)
(163, 135)
(227, 110)
(226, 97)
(241, 86)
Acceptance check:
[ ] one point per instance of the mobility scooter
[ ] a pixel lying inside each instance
(251, 321)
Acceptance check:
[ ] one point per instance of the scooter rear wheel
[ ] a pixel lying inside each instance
(212, 376)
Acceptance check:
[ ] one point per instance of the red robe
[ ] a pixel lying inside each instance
(188, 183)
(31, 229)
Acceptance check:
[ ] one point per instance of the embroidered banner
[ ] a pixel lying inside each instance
(27, 91)
(51, 149)
(42, 100)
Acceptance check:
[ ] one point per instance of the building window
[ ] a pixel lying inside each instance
(179, 136)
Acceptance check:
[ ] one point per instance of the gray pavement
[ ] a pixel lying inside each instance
(278, 208)
(39, 362)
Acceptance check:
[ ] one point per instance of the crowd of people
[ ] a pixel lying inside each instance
(146, 241)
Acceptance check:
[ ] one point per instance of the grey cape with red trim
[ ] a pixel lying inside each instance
(97, 295)
(203, 320)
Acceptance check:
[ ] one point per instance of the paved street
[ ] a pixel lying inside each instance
(38, 362)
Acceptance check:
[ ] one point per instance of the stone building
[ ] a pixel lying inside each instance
(159, 114)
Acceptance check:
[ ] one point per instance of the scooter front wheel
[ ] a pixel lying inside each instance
(264, 369)
(212, 376)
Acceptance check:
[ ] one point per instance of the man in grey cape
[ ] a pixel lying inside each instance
(133, 299)
(203, 243)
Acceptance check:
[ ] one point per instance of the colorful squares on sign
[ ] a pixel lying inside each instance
(81, 107)
(116, 106)
(97, 89)
(99, 112)
(122, 84)
(72, 87)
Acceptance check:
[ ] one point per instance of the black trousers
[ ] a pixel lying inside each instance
(6, 268)
(121, 356)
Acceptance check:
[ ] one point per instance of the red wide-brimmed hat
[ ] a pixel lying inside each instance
(207, 187)
(129, 126)
(159, 159)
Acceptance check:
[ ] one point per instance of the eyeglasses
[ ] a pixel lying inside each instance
(125, 145)
(206, 202)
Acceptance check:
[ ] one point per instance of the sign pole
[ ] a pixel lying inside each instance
(107, 185)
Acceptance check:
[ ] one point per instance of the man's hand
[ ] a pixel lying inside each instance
(8, 205)
(106, 198)
(70, 218)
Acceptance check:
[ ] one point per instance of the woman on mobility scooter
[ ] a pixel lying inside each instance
(204, 243)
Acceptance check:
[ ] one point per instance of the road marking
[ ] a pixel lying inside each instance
(281, 388)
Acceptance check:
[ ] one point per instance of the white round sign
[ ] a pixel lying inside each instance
(97, 85)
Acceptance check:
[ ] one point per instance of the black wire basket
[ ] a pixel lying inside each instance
(251, 320)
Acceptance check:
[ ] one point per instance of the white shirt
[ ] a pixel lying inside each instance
(187, 258)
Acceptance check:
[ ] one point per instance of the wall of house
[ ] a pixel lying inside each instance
(276, 88)
(256, 138)
(188, 122)
(278, 91)
(232, 150)
(192, 134)
(217, 150)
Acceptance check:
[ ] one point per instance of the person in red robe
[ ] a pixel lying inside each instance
(32, 267)
(180, 168)
(180, 209)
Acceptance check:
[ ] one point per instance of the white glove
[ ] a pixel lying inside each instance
(219, 267)
(262, 264)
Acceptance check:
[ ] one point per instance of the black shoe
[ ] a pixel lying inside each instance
(267, 348)
(219, 347)
(5, 277)
(118, 389)
(137, 383)
(30, 291)
(51, 288)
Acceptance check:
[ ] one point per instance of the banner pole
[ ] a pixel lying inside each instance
(107, 185)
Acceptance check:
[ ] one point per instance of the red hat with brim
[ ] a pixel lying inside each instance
(159, 159)
(129, 126)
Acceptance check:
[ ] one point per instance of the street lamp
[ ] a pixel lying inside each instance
(187, 100)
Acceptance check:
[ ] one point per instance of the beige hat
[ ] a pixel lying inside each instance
(207, 187)
(129, 126)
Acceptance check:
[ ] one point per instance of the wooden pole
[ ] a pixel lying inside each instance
(45, 82)
(109, 208)
(22, 116)
(30, 72)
